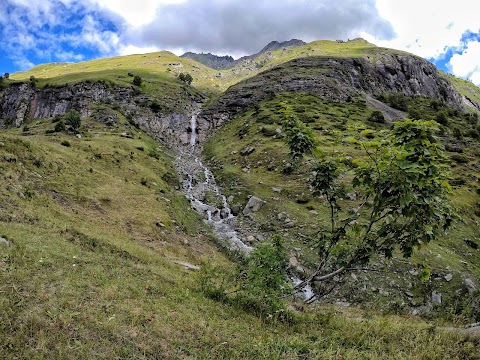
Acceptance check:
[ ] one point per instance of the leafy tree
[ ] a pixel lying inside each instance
(60, 126)
(403, 200)
(188, 79)
(137, 80)
(299, 137)
(72, 119)
(6, 75)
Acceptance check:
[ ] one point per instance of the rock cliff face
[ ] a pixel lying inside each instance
(336, 79)
(20, 103)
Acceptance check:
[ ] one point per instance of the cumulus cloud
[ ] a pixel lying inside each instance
(226, 26)
(467, 64)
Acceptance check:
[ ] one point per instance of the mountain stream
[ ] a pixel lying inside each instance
(205, 197)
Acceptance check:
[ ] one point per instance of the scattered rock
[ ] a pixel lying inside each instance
(235, 209)
(313, 212)
(470, 285)
(448, 277)
(281, 216)
(343, 304)
(289, 224)
(79, 136)
(187, 265)
(160, 224)
(251, 239)
(247, 151)
(277, 190)
(126, 135)
(409, 294)
(351, 196)
(254, 204)
(5, 242)
(436, 297)
(230, 199)
(224, 213)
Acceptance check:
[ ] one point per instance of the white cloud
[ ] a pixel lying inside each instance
(467, 64)
(135, 13)
(132, 49)
(428, 27)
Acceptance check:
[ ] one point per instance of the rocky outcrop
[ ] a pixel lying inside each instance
(20, 103)
(227, 62)
(337, 79)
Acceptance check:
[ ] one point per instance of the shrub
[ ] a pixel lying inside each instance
(461, 159)
(72, 119)
(441, 118)
(377, 117)
(65, 143)
(137, 80)
(60, 126)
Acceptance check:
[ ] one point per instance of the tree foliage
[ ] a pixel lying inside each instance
(137, 80)
(72, 119)
(187, 78)
(403, 199)
(299, 137)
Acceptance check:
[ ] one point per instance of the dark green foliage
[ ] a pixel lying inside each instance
(60, 126)
(186, 78)
(414, 113)
(6, 75)
(377, 117)
(155, 106)
(258, 284)
(461, 159)
(299, 137)
(457, 133)
(473, 133)
(66, 143)
(137, 80)
(72, 119)
(442, 118)
(398, 101)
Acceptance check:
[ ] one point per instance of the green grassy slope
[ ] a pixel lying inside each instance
(96, 225)
(262, 174)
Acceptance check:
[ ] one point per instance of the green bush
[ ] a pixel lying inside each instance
(60, 126)
(377, 117)
(65, 143)
(441, 118)
(72, 119)
(137, 80)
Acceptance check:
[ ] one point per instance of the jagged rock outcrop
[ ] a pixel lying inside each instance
(334, 78)
(227, 62)
(20, 102)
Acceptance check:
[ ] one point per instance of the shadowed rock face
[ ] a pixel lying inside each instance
(334, 78)
(20, 103)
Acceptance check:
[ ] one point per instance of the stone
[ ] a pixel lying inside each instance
(470, 285)
(230, 199)
(187, 265)
(277, 190)
(5, 242)
(281, 216)
(313, 212)
(254, 204)
(343, 304)
(79, 136)
(235, 209)
(247, 151)
(436, 297)
(126, 135)
(289, 225)
(224, 212)
(448, 277)
(251, 239)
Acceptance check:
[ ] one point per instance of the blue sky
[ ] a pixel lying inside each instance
(44, 31)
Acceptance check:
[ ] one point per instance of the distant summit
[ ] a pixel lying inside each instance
(227, 62)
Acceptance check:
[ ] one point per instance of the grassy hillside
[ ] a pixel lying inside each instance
(154, 68)
(95, 230)
(266, 173)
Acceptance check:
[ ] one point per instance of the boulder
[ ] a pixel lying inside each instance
(436, 297)
(5, 242)
(254, 204)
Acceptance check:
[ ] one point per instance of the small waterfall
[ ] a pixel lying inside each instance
(198, 181)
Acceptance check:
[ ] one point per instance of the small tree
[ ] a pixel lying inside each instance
(137, 80)
(188, 79)
(299, 137)
(6, 75)
(403, 192)
(72, 119)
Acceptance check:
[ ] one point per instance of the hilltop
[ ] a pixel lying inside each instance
(101, 245)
